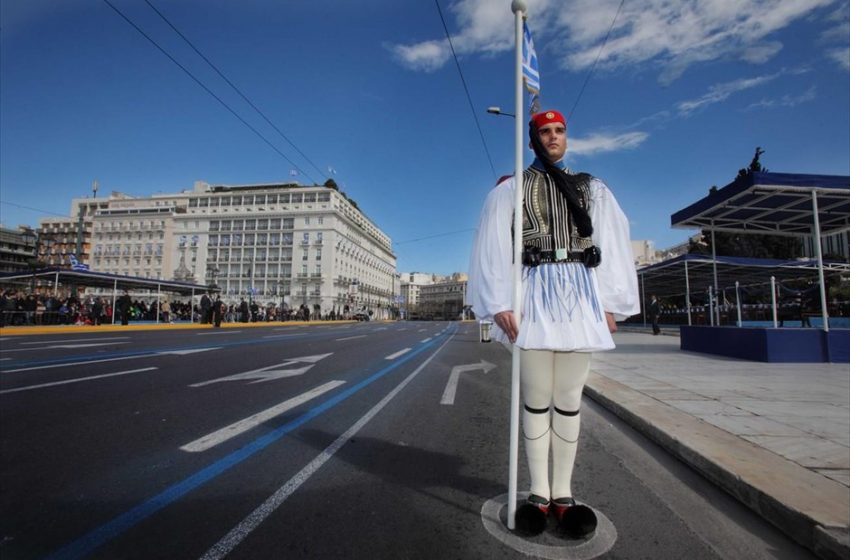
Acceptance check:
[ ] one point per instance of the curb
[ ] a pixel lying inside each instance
(78, 329)
(811, 509)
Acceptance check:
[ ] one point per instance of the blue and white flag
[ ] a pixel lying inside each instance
(530, 66)
(75, 264)
(293, 173)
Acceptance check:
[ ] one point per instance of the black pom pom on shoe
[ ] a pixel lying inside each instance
(578, 522)
(530, 520)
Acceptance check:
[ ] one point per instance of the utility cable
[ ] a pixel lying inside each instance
(236, 89)
(208, 90)
(593, 68)
(40, 210)
(466, 89)
(433, 236)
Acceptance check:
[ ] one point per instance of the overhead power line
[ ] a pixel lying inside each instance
(236, 89)
(40, 210)
(593, 68)
(466, 89)
(433, 236)
(208, 90)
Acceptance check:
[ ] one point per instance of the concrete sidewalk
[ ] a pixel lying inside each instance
(775, 436)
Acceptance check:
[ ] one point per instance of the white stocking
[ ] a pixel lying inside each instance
(571, 371)
(536, 378)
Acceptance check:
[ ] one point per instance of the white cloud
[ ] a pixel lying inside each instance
(599, 143)
(840, 33)
(787, 100)
(720, 92)
(426, 56)
(841, 56)
(671, 35)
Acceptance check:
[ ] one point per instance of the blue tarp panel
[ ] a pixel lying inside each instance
(776, 203)
(769, 345)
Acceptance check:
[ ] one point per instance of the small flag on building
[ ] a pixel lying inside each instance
(293, 173)
(331, 170)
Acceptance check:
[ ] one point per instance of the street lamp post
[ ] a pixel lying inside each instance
(498, 111)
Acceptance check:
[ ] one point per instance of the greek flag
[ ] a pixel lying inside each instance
(75, 264)
(530, 66)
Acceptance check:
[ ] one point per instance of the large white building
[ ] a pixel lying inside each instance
(281, 241)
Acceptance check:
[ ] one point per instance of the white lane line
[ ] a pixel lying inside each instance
(352, 337)
(79, 379)
(285, 335)
(236, 535)
(77, 340)
(242, 426)
(426, 340)
(74, 363)
(62, 346)
(216, 332)
(397, 354)
(4, 359)
(421, 330)
(168, 352)
(186, 352)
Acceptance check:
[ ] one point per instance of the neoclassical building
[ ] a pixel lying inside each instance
(271, 242)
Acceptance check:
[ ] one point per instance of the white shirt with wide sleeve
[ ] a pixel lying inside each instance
(563, 304)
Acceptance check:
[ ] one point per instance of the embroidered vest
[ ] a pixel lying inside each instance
(546, 222)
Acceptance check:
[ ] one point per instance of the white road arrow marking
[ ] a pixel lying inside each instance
(451, 386)
(242, 426)
(270, 373)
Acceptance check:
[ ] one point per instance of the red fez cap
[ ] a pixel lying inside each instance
(546, 117)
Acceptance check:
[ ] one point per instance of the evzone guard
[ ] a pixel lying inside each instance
(578, 279)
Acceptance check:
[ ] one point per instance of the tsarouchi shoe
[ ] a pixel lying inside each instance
(531, 516)
(576, 521)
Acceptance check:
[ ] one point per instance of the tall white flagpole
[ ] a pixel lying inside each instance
(518, 7)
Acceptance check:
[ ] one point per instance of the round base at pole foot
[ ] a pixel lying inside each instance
(578, 522)
(551, 544)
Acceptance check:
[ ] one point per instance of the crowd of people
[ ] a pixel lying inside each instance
(19, 307)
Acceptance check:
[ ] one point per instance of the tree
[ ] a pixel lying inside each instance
(748, 245)
(331, 184)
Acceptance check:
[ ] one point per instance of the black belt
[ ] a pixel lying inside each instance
(590, 257)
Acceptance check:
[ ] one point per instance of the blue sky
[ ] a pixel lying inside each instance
(682, 94)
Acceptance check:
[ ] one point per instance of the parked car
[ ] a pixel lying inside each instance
(360, 316)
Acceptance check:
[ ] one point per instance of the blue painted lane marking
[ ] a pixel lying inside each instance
(103, 534)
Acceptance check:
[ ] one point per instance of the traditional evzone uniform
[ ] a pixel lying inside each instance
(569, 281)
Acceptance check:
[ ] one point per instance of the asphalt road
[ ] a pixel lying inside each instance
(337, 441)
